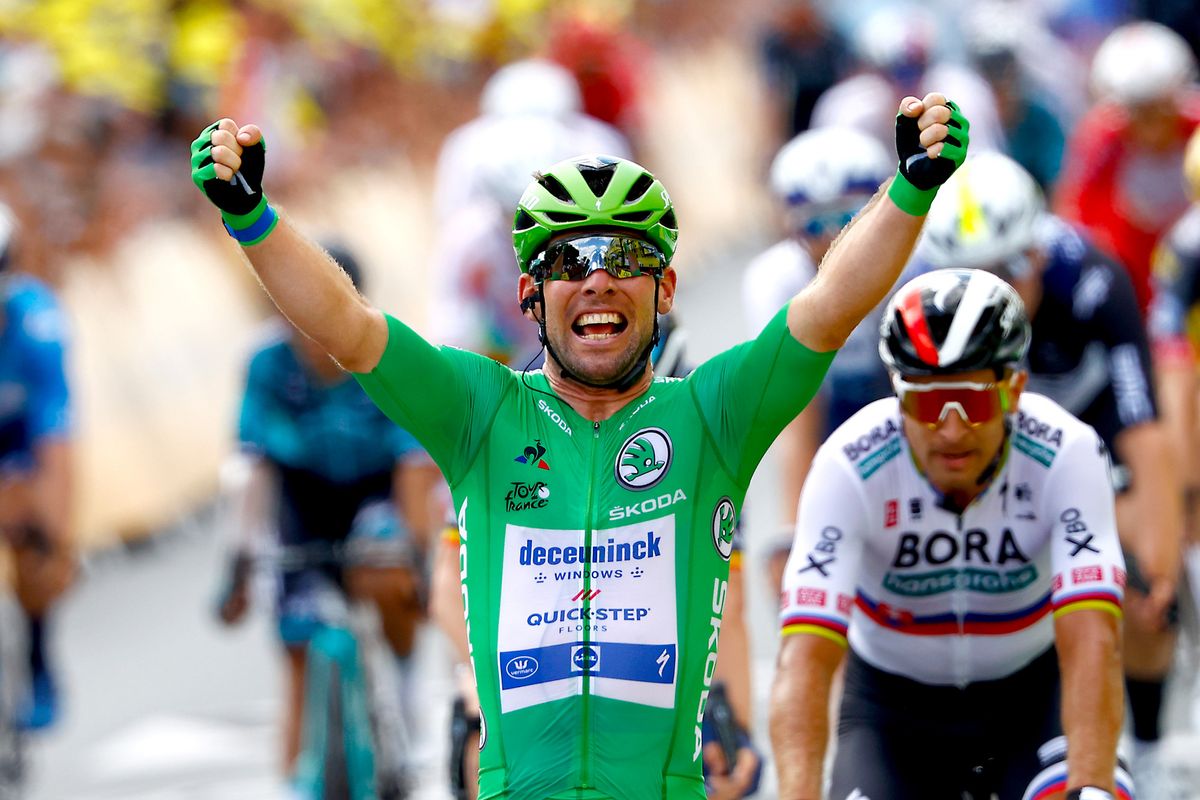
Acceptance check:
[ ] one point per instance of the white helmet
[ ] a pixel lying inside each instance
(826, 165)
(1141, 62)
(986, 214)
(519, 146)
(896, 35)
(531, 87)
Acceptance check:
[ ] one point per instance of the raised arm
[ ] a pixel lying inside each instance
(302, 280)
(867, 258)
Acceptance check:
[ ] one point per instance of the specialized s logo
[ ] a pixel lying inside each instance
(644, 459)
(533, 455)
(724, 521)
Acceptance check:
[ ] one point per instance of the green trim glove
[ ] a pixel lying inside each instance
(919, 176)
(244, 209)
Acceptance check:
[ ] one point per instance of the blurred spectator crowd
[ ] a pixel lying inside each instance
(100, 98)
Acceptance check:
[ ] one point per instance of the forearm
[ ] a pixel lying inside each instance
(799, 721)
(253, 506)
(733, 662)
(859, 270)
(1093, 700)
(798, 445)
(445, 600)
(1157, 490)
(414, 490)
(318, 298)
(1177, 388)
(53, 492)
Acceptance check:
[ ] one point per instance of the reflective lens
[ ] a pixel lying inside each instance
(619, 256)
(827, 219)
(1015, 268)
(828, 223)
(931, 403)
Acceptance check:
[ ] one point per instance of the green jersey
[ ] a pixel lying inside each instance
(594, 555)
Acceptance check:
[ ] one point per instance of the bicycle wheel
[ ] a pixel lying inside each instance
(322, 768)
(13, 687)
(390, 740)
(334, 768)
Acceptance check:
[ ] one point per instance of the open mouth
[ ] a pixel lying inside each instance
(956, 460)
(599, 325)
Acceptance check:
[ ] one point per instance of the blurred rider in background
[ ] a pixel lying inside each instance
(1123, 174)
(820, 179)
(321, 464)
(36, 451)
(530, 117)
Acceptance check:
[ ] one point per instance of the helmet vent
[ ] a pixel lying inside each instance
(668, 220)
(564, 216)
(639, 188)
(523, 222)
(597, 178)
(633, 216)
(552, 185)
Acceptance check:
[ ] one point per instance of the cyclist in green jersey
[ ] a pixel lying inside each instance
(595, 503)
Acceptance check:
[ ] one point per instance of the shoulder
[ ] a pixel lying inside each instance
(868, 440)
(591, 134)
(35, 310)
(1042, 429)
(856, 88)
(784, 260)
(270, 348)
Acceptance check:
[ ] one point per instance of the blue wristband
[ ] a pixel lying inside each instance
(251, 228)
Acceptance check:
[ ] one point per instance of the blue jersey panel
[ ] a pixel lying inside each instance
(34, 398)
(293, 418)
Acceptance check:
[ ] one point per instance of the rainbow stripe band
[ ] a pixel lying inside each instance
(1093, 599)
(1058, 784)
(826, 627)
(977, 624)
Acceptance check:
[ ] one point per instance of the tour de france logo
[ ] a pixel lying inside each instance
(724, 522)
(644, 459)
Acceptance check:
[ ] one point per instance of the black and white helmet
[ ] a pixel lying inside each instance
(953, 320)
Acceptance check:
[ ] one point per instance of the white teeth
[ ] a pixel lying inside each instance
(598, 335)
(599, 319)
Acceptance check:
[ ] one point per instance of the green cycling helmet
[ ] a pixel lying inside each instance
(592, 193)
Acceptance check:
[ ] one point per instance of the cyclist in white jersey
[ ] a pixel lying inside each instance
(529, 117)
(957, 537)
(527, 88)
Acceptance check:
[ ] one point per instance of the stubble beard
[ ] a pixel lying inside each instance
(613, 369)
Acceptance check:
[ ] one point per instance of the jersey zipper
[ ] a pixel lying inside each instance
(961, 656)
(585, 771)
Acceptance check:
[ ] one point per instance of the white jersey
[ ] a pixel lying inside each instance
(460, 178)
(942, 597)
(857, 375)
